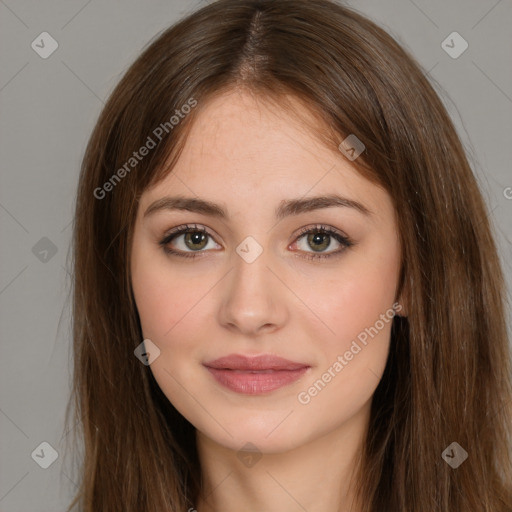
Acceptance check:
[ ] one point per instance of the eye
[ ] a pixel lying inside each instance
(320, 237)
(194, 238)
(195, 241)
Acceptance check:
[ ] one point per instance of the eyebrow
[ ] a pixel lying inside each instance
(285, 208)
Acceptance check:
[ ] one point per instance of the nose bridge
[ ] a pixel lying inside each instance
(251, 298)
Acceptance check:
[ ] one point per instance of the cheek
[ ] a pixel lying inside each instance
(171, 302)
(358, 313)
(351, 361)
(172, 311)
(160, 302)
(362, 290)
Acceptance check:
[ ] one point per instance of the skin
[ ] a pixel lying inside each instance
(247, 156)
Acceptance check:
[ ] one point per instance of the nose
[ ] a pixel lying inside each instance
(253, 298)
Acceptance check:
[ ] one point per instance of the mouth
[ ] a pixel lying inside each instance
(255, 375)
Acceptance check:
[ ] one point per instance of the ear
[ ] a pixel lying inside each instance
(400, 307)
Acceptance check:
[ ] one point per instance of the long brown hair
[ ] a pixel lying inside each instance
(448, 375)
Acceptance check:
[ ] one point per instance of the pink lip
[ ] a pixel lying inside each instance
(255, 375)
(263, 362)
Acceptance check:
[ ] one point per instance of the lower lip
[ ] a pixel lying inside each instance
(254, 383)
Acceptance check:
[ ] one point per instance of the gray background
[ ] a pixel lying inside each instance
(48, 109)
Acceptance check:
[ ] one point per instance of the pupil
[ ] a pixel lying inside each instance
(195, 237)
(317, 237)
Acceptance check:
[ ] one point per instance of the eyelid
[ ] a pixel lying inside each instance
(344, 240)
(185, 227)
(321, 228)
(172, 233)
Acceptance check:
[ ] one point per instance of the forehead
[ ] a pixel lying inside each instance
(249, 152)
(238, 125)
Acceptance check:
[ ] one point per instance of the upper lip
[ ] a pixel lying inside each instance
(262, 362)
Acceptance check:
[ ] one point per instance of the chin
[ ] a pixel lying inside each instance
(266, 434)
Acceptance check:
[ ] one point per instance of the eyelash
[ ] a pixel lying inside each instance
(342, 239)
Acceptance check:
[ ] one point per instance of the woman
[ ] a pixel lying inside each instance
(287, 295)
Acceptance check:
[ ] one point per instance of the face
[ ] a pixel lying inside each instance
(276, 275)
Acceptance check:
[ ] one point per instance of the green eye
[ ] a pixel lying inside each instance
(196, 239)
